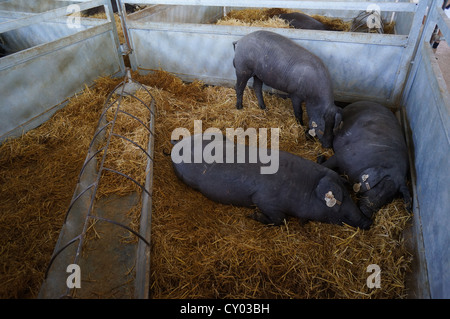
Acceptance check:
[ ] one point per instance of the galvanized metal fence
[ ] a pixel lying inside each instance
(54, 54)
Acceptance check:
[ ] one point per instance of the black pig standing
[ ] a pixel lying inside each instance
(282, 64)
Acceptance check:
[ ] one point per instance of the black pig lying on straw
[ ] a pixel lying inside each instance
(370, 149)
(296, 187)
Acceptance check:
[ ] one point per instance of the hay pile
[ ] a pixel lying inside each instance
(200, 249)
(269, 18)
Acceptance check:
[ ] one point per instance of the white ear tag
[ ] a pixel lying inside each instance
(312, 131)
(364, 179)
(330, 200)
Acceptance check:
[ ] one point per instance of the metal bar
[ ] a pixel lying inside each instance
(137, 119)
(27, 55)
(409, 52)
(42, 17)
(76, 198)
(132, 95)
(142, 281)
(430, 22)
(87, 162)
(134, 143)
(121, 225)
(423, 39)
(130, 178)
(312, 35)
(112, 103)
(443, 23)
(98, 132)
(292, 4)
(106, 108)
(110, 15)
(122, 14)
(58, 252)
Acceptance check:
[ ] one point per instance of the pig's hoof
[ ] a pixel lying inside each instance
(239, 107)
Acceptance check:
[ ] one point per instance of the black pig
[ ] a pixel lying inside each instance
(284, 65)
(299, 187)
(371, 150)
(300, 20)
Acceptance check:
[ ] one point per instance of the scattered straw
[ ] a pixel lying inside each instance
(38, 173)
(200, 249)
(255, 18)
(122, 155)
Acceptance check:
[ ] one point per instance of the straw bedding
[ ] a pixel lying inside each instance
(38, 173)
(269, 18)
(200, 249)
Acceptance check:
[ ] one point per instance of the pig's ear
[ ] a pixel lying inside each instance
(369, 178)
(329, 192)
(337, 120)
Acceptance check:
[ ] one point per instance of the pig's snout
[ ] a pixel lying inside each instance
(366, 223)
(354, 217)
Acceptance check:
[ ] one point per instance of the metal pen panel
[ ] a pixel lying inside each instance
(207, 54)
(429, 119)
(53, 57)
(61, 70)
(427, 106)
(292, 4)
